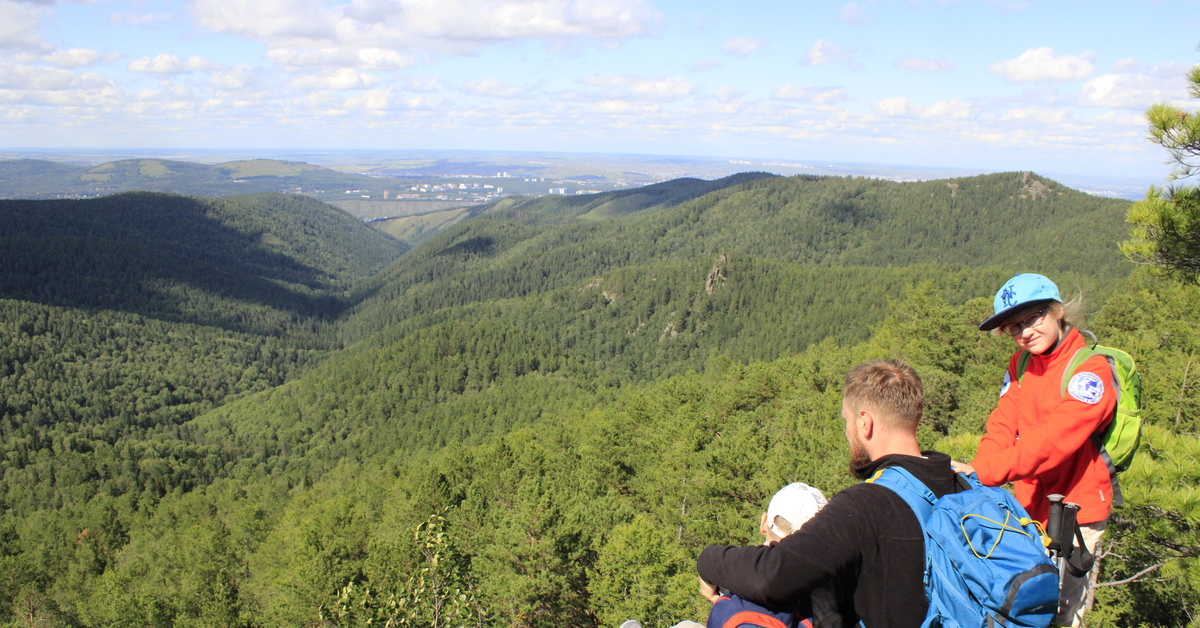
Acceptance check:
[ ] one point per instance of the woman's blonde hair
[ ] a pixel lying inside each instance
(1073, 314)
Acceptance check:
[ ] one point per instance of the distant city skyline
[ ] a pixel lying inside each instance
(989, 85)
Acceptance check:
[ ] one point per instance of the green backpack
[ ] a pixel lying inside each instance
(1119, 441)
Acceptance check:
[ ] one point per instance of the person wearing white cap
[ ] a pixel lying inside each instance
(1040, 436)
(790, 508)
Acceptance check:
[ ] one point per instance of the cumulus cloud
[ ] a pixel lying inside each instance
(375, 99)
(926, 65)
(363, 59)
(901, 107)
(825, 51)
(1041, 64)
(743, 46)
(493, 89)
(18, 27)
(728, 94)
(614, 86)
(1131, 86)
(73, 58)
(814, 95)
(34, 77)
(704, 65)
(1043, 115)
(342, 79)
(456, 26)
(164, 63)
(239, 77)
(854, 14)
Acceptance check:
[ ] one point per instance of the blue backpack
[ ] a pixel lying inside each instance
(985, 559)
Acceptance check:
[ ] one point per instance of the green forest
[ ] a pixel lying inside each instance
(258, 411)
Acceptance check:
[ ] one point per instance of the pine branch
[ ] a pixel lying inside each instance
(1131, 578)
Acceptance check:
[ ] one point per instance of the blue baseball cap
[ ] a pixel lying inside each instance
(1022, 290)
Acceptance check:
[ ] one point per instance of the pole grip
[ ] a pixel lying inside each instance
(1070, 513)
(1054, 523)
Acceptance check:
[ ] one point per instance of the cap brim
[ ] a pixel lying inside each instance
(998, 319)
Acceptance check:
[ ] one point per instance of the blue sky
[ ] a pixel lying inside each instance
(991, 85)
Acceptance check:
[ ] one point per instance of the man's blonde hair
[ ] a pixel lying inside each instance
(891, 388)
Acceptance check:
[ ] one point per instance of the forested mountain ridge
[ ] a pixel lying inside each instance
(244, 262)
(35, 178)
(505, 317)
(584, 400)
(512, 248)
(121, 318)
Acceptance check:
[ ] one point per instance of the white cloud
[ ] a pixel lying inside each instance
(1138, 87)
(901, 107)
(164, 63)
(382, 59)
(363, 59)
(854, 14)
(815, 95)
(18, 27)
(1042, 115)
(704, 65)
(344, 78)
(494, 89)
(825, 51)
(41, 78)
(614, 86)
(728, 94)
(926, 65)
(240, 77)
(743, 46)
(456, 26)
(375, 99)
(73, 58)
(897, 107)
(1041, 64)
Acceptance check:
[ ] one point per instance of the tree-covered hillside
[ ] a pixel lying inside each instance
(548, 407)
(256, 262)
(40, 179)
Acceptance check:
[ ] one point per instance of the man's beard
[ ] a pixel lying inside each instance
(858, 459)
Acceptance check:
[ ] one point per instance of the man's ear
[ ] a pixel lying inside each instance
(866, 423)
(762, 525)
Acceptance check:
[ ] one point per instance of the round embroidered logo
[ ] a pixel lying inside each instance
(1086, 387)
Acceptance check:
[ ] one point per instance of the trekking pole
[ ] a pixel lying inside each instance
(1060, 527)
(1068, 525)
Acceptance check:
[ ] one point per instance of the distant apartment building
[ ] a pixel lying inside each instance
(558, 190)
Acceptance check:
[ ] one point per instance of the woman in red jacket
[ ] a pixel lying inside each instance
(1039, 438)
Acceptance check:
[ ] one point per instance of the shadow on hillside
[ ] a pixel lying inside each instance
(159, 256)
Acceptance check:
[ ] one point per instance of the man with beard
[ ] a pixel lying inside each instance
(866, 540)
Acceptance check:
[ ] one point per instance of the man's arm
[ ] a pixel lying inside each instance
(779, 573)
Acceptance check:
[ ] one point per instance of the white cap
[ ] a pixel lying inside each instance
(797, 503)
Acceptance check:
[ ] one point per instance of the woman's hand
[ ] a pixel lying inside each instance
(961, 467)
(709, 591)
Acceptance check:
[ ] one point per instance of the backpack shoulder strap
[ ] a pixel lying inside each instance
(1022, 365)
(753, 618)
(909, 488)
(1080, 356)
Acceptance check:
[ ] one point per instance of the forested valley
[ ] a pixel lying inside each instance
(258, 411)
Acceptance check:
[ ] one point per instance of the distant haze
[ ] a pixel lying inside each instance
(990, 86)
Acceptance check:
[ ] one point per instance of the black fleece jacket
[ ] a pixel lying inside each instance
(866, 540)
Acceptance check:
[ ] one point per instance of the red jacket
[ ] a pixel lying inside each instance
(1040, 439)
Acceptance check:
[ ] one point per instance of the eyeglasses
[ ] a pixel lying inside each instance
(1033, 320)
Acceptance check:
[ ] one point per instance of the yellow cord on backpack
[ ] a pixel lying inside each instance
(1003, 526)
